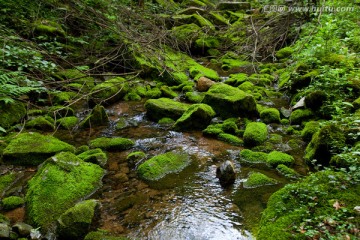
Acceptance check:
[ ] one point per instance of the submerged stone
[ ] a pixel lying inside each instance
(197, 116)
(255, 133)
(162, 165)
(76, 221)
(226, 173)
(228, 101)
(59, 183)
(34, 148)
(157, 109)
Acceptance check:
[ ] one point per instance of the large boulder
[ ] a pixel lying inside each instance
(162, 165)
(11, 113)
(34, 148)
(198, 116)
(160, 108)
(110, 91)
(203, 84)
(325, 143)
(255, 134)
(60, 182)
(226, 173)
(76, 221)
(228, 101)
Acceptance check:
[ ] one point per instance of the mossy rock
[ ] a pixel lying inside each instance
(218, 19)
(213, 130)
(76, 221)
(197, 71)
(12, 202)
(246, 86)
(304, 80)
(284, 52)
(60, 111)
(167, 92)
(135, 157)
(153, 93)
(162, 165)
(195, 97)
(41, 123)
(286, 171)
(270, 115)
(187, 33)
(309, 130)
(230, 63)
(275, 158)
(48, 28)
(11, 113)
(315, 99)
(230, 125)
(96, 156)
(256, 179)
(166, 121)
(233, 6)
(205, 43)
(112, 144)
(325, 143)
(229, 138)
(102, 235)
(132, 96)
(228, 101)
(203, 22)
(197, 116)
(60, 98)
(249, 156)
(255, 134)
(97, 117)
(236, 79)
(275, 138)
(300, 115)
(68, 123)
(290, 206)
(261, 79)
(58, 184)
(34, 148)
(345, 160)
(157, 109)
(110, 91)
(6, 181)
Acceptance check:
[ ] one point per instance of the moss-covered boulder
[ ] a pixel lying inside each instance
(97, 117)
(308, 204)
(286, 171)
(284, 52)
(157, 109)
(345, 160)
(11, 113)
(67, 122)
(110, 91)
(135, 157)
(275, 158)
(34, 148)
(197, 116)
(256, 179)
(96, 156)
(194, 97)
(249, 156)
(315, 99)
(270, 115)
(112, 144)
(12, 202)
(162, 165)
(229, 138)
(309, 130)
(48, 28)
(325, 143)
(41, 123)
(6, 181)
(228, 101)
(76, 221)
(300, 115)
(197, 71)
(59, 183)
(255, 133)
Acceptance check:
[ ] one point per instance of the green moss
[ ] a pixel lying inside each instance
(295, 143)
(206, 42)
(309, 130)
(135, 157)
(195, 97)
(167, 92)
(132, 96)
(256, 179)
(230, 63)
(48, 28)
(67, 122)
(166, 121)
(34, 148)
(97, 117)
(228, 101)
(41, 123)
(275, 138)
(345, 160)
(275, 158)
(82, 149)
(102, 235)
(60, 111)
(307, 204)
(284, 79)
(270, 115)
(246, 86)
(284, 121)
(161, 165)
(229, 138)
(60, 98)
(197, 116)
(12, 202)
(157, 109)
(11, 113)
(96, 156)
(218, 19)
(315, 99)
(203, 22)
(116, 143)
(255, 133)
(236, 79)
(261, 79)
(300, 115)
(76, 221)
(59, 183)
(230, 125)
(356, 103)
(213, 130)
(249, 156)
(6, 181)
(110, 91)
(286, 171)
(197, 71)
(328, 141)
(187, 33)
(153, 93)
(284, 52)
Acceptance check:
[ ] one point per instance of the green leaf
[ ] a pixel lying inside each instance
(2, 130)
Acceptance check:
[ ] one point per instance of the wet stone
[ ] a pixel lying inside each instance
(226, 173)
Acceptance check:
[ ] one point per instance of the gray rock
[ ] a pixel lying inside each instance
(22, 229)
(226, 173)
(4, 231)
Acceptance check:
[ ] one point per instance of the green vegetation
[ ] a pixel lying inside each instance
(255, 134)
(12, 202)
(247, 155)
(113, 144)
(275, 158)
(157, 109)
(256, 179)
(197, 116)
(270, 115)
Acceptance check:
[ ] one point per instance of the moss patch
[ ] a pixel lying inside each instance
(96, 156)
(300, 115)
(249, 156)
(309, 130)
(114, 144)
(58, 185)
(255, 134)
(12, 202)
(67, 122)
(270, 115)
(157, 109)
(34, 148)
(286, 171)
(97, 117)
(197, 116)
(257, 179)
(162, 165)
(229, 138)
(11, 113)
(275, 158)
(110, 91)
